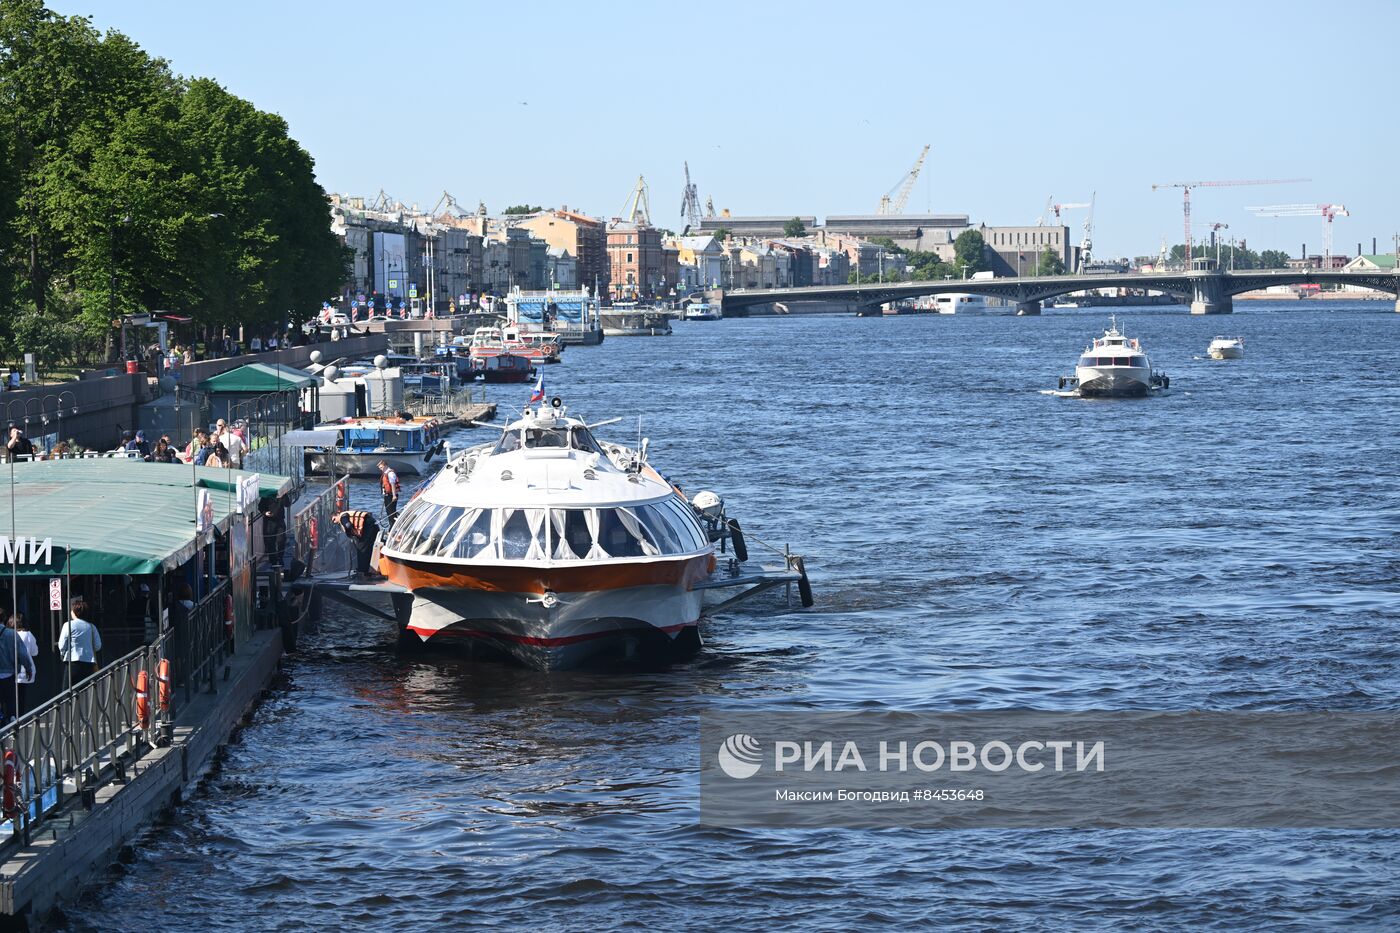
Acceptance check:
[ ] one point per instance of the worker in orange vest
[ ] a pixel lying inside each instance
(362, 530)
(389, 485)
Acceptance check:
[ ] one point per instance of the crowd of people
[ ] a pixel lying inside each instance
(226, 446)
(78, 649)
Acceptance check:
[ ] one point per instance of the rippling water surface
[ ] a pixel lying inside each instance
(973, 543)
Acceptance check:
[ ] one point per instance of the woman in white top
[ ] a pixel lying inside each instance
(25, 677)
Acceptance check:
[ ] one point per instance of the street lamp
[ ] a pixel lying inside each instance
(112, 277)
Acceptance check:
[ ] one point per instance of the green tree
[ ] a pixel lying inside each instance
(124, 188)
(1050, 264)
(1273, 259)
(722, 234)
(522, 209)
(969, 251)
(794, 228)
(888, 243)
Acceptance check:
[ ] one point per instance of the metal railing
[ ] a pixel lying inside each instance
(86, 736)
(202, 643)
(316, 540)
(81, 740)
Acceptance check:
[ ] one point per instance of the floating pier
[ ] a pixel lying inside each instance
(191, 597)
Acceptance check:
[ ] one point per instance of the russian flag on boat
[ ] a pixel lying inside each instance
(538, 394)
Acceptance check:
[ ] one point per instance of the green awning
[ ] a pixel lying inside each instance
(111, 516)
(258, 379)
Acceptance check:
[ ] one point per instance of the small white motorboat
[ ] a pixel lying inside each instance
(1226, 348)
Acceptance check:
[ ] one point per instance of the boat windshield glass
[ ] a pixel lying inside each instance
(655, 530)
(562, 437)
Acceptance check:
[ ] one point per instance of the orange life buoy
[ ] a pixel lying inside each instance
(143, 706)
(228, 616)
(11, 801)
(340, 496)
(315, 537)
(163, 684)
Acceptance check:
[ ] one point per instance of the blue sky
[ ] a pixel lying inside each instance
(819, 108)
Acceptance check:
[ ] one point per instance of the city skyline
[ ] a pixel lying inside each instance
(781, 115)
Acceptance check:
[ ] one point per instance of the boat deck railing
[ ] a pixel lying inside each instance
(89, 734)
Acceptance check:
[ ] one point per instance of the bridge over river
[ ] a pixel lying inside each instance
(1207, 292)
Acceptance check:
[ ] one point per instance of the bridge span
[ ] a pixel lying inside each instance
(1206, 292)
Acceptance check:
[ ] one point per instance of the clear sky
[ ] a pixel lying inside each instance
(819, 108)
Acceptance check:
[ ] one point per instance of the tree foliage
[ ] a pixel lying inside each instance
(722, 234)
(795, 228)
(124, 188)
(1050, 263)
(969, 251)
(522, 209)
(1237, 256)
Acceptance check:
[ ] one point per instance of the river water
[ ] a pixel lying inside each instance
(972, 543)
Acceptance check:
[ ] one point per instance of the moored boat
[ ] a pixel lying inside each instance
(502, 368)
(627, 319)
(555, 549)
(410, 445)
(537, 347)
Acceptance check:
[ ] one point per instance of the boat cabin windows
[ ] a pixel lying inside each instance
(655, 530)
(1087, 360)
(563, 437)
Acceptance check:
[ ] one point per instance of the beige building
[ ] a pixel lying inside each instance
(584, 237)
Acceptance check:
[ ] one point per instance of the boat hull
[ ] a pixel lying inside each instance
(1226, 353)
(1113, 382)
(636, 324)
(555, 619)
(367, 464)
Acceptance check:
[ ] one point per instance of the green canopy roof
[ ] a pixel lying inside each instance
(111, 516)
(258, 379)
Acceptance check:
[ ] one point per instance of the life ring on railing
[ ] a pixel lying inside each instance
(163, 685)
(228, 616)
(314, 534)
(340, 496)
(11, 801)
(143, 703)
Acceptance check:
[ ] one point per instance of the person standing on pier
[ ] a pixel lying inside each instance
(18, 445)
(25, 678)
(389, 485)
(14, 660)
(79, 643)
(232, 443)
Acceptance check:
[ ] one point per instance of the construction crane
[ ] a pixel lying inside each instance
(1049, 206)
(446, 209)
(1325, 211)
(637, 210)
(709, 207)
(1186, 187)
(690, 203)
(381, 202)
(1079, 206)
(894, 200)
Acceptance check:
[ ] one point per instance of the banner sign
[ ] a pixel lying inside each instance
(248, 491)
